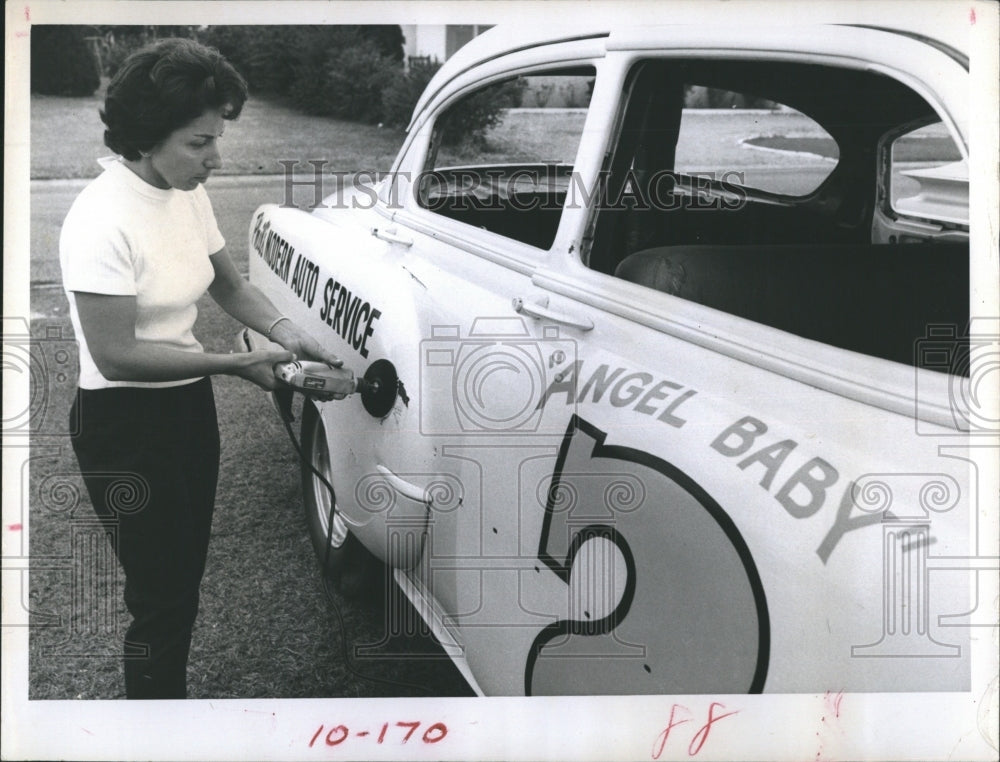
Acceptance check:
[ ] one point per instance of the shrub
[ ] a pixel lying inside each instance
(698, 96)
(468, 120)
(340, 73)
(330, 70)
(256, 54)
(119, 42)
(401, 95)
(116, 52)
(387, 38)
(578, 97)
(354, 80)
(292, 60)
(63, 62)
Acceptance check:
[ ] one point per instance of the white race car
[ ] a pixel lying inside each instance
(670, 370)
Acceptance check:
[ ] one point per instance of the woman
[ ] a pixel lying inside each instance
(138, 248)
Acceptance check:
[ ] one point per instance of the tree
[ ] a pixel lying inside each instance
(63, 61)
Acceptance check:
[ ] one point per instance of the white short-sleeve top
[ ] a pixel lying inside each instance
(125, 237)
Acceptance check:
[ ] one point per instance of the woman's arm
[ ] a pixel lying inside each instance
(108, 324)
(248, 304)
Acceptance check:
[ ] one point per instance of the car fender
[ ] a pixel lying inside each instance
(358, 301)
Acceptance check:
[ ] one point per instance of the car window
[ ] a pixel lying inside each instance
(785, 239)
(752, 141)
(501, 158)
(927, 177)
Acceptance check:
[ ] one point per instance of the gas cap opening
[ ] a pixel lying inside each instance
(382, 388)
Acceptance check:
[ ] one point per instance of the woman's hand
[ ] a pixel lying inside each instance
(259, 366)
(305, 347)
(247, 304)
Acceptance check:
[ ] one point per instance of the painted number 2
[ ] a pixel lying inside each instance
(664, 596)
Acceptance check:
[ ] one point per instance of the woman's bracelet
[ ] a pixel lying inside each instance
(270, 328)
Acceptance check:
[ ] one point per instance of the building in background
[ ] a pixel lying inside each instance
(430, 42)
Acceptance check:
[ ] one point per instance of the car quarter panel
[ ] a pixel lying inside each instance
(806, 478)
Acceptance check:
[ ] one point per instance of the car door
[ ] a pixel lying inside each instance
(752, 398)
(481, 204)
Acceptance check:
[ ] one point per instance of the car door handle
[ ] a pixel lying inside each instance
(541, 310)
(391, 237)
(403, 487)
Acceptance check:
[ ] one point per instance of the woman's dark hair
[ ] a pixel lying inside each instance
(164, 86)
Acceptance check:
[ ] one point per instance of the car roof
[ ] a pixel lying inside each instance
(944, 28)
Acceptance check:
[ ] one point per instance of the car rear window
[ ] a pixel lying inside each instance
(753, 142)
(751, 187)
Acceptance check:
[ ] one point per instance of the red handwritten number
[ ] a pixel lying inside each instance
(339, 734)
(343, 735)
(702, 735)
(661, 740)
(411, 725)
(439, 729)
(320, 730)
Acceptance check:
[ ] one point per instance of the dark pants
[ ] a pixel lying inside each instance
(150, 460)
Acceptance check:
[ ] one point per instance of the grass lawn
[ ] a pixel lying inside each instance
(552, 136)
(67, 138)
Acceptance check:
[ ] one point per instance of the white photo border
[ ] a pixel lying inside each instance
(870, 726)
